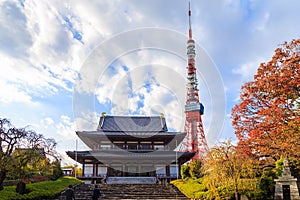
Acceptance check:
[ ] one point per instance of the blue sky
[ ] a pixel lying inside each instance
(44, 45)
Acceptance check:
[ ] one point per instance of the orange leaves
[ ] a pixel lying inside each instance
(266, 121)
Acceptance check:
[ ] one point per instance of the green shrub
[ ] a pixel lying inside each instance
(266, 185)
(57, 171)
(279, 167)
(295, 167)
(196, 169)
(185, 171)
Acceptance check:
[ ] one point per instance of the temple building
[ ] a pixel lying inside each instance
(131, 146)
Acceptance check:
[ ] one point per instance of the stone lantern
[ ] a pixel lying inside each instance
(286, 187)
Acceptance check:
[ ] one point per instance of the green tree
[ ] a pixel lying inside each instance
(28, 162)
(185, 171)
(56, 170)
(9, 138)
(294, 164)
(279, 167)
(266, 185)
(21, 148)
(226, 170)
(295, 167)
(195, 169)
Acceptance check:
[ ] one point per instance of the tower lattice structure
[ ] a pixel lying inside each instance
(195, 140)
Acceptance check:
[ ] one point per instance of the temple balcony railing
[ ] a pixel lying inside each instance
(172, 176)
(103, 176)
(138, 149)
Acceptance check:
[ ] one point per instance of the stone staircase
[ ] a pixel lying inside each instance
(131, 180)
(128, 191)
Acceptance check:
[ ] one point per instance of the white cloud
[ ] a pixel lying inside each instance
(142, 67)
(15, 38)
(161, 100)
(247, 70)
(45, 63)
(46, 122)
(66, 128)
(263, 23)
(11, 94)
(86, 122)
(54, 45)
(33, 81)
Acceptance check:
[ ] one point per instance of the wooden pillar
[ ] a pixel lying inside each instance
(94, 170)
(123, 170)
(139, 169)
(96, 165)
(179, 169)
(83, 168)
(168, 170)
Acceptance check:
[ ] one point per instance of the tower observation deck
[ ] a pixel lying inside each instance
(195, 139)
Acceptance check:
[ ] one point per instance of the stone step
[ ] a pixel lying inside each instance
(131, 180)
(128, 191)
(144, 198)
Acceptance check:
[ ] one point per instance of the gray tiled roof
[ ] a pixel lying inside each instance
(132, 133)
(132, 123)
(127, 157)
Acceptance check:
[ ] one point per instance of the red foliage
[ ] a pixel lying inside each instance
(39, 179)
(267, 120)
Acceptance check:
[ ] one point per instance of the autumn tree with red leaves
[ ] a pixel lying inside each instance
(267, 119)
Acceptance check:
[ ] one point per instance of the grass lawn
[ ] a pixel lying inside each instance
(45, 189)
(191, 188)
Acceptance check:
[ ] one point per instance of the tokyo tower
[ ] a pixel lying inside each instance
(195, 139)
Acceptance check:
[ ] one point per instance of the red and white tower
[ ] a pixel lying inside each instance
(195, 139)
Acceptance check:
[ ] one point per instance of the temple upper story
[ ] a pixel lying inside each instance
(131, 133)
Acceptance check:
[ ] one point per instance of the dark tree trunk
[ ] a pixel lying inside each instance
(236, 193)
(2, 178)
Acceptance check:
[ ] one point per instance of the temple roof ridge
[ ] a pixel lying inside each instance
(132, 123)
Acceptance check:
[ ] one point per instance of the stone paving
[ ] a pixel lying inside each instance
(128, 191)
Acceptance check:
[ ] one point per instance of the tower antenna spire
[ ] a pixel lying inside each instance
(194, 140)
(190, 24)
